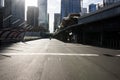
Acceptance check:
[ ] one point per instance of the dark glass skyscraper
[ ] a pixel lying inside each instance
(70, 6)
(92, 7)
(1, 17)
(1, 3)
(18, 12)
(1, 13)
(14, 13)
(32, 16)
(7, 15)
(42, 4)
(56, 20)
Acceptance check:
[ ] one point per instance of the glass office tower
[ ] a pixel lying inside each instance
(43, 22)
(70, 6)
(1, 3)
(56, 20)
(32, 16)
(18, 12)
(92, 7)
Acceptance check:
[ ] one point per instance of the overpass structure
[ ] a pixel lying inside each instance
(101, 28)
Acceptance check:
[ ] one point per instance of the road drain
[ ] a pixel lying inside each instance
(108, 55)
(5, 55)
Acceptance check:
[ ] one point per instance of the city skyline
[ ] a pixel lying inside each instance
(56, 8)
(83, 45)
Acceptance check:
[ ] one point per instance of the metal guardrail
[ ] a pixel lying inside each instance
(11, 35)
(16, 21)
(101, 10)
(22, 24)
(7, 18)
(107, 12)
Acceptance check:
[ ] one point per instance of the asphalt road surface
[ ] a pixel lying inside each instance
(55, 60)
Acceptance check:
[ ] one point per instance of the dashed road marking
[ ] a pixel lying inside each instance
(118, 55)
(52, 54)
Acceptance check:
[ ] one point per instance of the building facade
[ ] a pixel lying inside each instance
(1, 3)
(70, 6)
(1, 13)
(83, 11)
(110, 2)
(14, 13)
(48, 18)
(18, 13)
(43, 22)
(56, 20)
(92, 7)
(32, 16)
(1, 17)
(7, 13)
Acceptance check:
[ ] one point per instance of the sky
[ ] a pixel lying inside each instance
(54, 7)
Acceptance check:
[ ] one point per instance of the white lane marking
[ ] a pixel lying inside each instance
(52, 54)
(118, 55)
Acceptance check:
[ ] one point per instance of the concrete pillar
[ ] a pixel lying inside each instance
(84, 38)
(1, 3)
(1, 17)
(119, 44)
(101, 39)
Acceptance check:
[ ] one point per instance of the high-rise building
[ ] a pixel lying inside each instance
(43, 22)
(1, 17)
(83, 11)
(1, 3)
(1, 13)
(48, 17)
(56, 20)
(18, 12)
(32, 16)
(109, 2)
(7, 13)
(70, 6)
(92, 7)
(14, 13)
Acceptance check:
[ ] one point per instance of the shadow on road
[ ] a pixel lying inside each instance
(5, 45)
(93, 45)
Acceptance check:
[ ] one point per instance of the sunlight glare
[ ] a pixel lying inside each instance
(31, 2)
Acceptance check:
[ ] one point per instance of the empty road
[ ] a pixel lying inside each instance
(46, 59)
